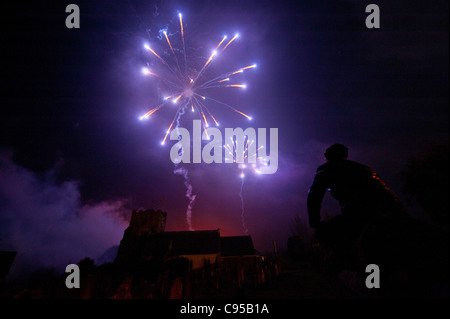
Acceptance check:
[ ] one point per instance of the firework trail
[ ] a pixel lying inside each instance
(185, 173)
(232, 149)
(242, 207)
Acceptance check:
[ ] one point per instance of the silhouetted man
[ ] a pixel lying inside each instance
(361, 193)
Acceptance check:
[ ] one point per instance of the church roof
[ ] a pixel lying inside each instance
(236, 246)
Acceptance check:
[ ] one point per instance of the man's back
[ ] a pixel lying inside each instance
(357, 187)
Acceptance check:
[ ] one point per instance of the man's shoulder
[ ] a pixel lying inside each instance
(323, 167)
(358, 165)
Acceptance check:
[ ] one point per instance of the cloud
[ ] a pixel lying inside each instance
(46, 223)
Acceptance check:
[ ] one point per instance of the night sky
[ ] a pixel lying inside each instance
(75, 159)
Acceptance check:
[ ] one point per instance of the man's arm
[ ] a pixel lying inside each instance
(315, 197)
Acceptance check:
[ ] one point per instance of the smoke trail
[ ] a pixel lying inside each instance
(242, 207)
(183, 171)
(189, 195)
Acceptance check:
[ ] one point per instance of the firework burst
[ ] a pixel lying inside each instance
(232, 149)
(186, 82)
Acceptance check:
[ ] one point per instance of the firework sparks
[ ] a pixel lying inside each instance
(220, 43)
(156, 54)
(233, 150)
(236, 86)
(168, 41)
(234, 38)
(190, 87)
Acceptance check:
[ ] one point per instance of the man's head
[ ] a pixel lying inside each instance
(336, 152)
